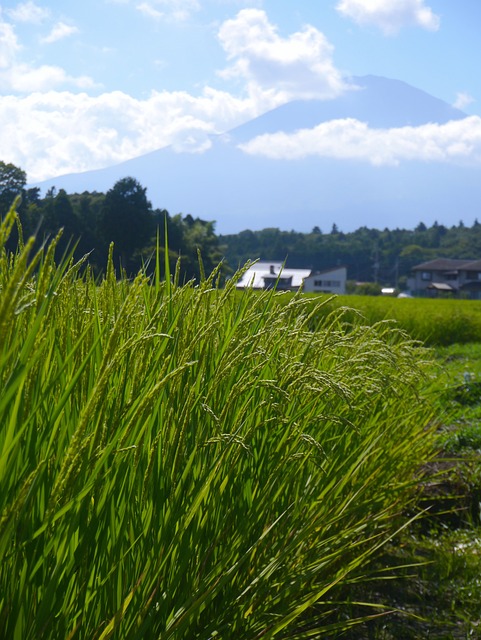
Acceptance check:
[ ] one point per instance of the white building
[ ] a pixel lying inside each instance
(328, 281)
(266, 275)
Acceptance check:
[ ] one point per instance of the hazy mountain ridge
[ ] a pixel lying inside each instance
(379, 102)
(242, 191)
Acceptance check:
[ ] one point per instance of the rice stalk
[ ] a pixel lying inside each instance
(189, 461)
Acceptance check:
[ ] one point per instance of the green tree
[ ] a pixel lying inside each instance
(199, 237)
(12, 183)
(60, 215)
(367, 289)
(126, 219)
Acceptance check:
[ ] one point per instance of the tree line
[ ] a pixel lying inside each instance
(91, 221)
(382, 257)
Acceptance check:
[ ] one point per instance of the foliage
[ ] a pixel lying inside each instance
(126, 217)
(91, 221)
(380, 257)
(187, 237)
(58, 214)
(367, 289)
(189, 462)
(370, 255)
(12, 183)
(460, 396)
(436, 594)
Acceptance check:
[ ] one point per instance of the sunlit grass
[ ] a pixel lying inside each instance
(187, 462)
(435, 322)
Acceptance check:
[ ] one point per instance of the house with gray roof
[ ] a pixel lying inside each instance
(327, 281)
(447, 276)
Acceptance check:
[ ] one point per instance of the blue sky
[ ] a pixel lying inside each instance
(88, 84)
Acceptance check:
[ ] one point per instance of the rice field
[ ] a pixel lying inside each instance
(187, 462)
(434, 321)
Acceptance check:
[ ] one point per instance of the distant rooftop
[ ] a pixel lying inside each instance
(263, 274)
(449, 264)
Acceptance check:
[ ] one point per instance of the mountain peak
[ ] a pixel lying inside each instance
(379, 102)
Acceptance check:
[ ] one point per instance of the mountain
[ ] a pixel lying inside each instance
(242, 191)
(379, 102)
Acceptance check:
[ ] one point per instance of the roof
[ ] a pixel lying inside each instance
(254, 276)
(323, 272)
(473, 265)
(444, 264)
(441, 286)
(449, 264)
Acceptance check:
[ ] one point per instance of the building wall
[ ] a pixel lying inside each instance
(420, 281)
(328, 282)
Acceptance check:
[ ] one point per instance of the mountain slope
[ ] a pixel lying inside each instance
(380, 102)
(242, 191)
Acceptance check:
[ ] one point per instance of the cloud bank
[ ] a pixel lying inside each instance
(50, 132)
(54, 133)
(349, 139)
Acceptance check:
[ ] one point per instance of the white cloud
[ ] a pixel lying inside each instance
(23, 78)
(52, 133)
(150, 11)
(20, 77)
(455, 141)
(390, 15)
(28, 12)
(178, 10)
(59, 31)
(463, 100)
(299, 66)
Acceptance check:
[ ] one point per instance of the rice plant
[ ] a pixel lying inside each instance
(189, 462)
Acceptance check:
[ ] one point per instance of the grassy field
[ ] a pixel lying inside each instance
(436, 322)
(190, 462)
